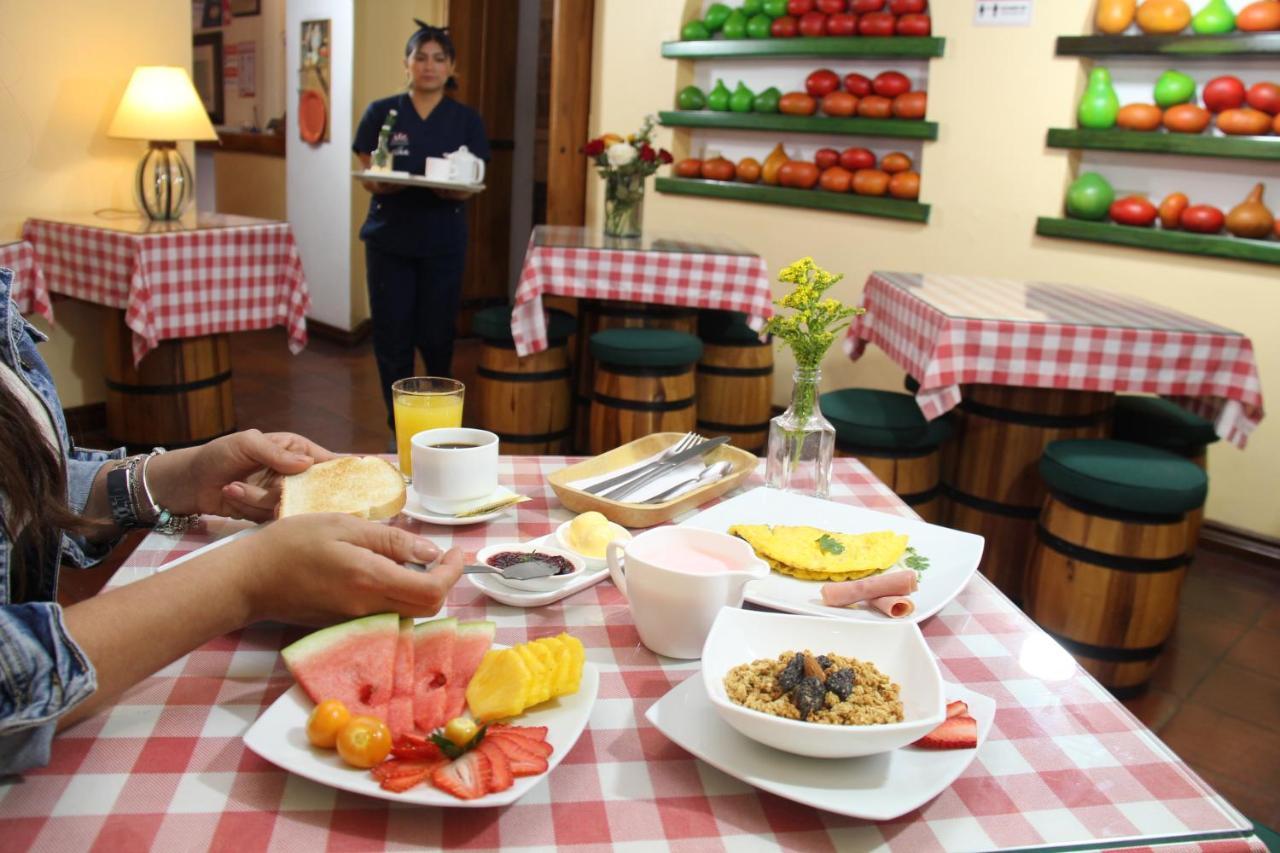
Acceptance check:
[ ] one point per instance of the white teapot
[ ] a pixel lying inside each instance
(465, 167)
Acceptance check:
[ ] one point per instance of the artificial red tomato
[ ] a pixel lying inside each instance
(835, 180)
(910, 105)
(784, 28)
(857, 85)
(839, 104)
(830, 7)
(796, 8)
(842, 24)
(1202, 218)
(915, 25)
(891, 84)
(797, 104)
(1223, 93)
(813, 24)
(854, 159)
(876, 24)
(874, 106)
(1264, 97)
(861, 6)
(326, 720)
(824, 81)
(364, 741)
(1133, 210)
(906, 7)
(825, 158)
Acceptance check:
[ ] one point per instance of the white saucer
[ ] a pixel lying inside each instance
(414, 509)
(504, 594)
(873, 787)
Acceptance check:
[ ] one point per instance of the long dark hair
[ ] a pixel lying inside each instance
(425, 34)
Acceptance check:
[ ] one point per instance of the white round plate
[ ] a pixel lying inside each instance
(414, 509)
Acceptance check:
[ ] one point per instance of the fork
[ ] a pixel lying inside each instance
(686, 441)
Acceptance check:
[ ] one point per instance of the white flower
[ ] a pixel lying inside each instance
(620, 154)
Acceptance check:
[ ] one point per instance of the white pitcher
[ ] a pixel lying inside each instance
(676, 579)
(465, 167)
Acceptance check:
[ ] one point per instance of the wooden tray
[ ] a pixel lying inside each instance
(647, 515)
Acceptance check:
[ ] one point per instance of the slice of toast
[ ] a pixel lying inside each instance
(365, 486)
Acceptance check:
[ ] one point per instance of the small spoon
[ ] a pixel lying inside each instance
(525, 570)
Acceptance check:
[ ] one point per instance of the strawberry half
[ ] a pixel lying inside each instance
(397, 767)
(400, 784)
(415, 746)
(537, 747)
(955, 733)
(956, 708)
(523, 761)
(503, 778)
(467, 778)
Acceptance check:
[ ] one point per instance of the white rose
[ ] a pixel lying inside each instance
(620, 154)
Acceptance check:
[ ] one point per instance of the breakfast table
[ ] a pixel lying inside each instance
(1065, 765)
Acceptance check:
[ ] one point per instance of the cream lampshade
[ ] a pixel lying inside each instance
(161, 106)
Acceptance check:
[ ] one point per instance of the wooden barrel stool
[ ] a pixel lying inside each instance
(179, 395)
(990, 478)
(735, 381)
(525, 401)
(644, 383)
(597, 315)
(1157, 422)
(887, 433)
(1112, 551)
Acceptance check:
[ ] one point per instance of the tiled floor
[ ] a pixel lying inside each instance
(1215, 700)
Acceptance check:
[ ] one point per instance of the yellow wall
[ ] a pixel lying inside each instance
(994, 94)
(63, 67)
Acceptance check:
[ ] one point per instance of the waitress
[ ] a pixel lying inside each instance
(416, 238)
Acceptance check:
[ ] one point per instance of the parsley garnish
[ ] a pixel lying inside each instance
(917, 561)
(830, 545)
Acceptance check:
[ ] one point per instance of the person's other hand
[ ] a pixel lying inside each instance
(237, 475)
(320, 568)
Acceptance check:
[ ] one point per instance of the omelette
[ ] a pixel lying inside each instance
(821, 555)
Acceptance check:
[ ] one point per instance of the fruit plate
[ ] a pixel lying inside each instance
(952, 554)
(504, 594)
(280, 736)
(873, 787)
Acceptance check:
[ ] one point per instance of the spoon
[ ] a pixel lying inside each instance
(525, 570)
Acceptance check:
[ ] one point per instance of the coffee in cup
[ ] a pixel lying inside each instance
(453, 466)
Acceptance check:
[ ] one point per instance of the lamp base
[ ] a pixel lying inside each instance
(163, 185)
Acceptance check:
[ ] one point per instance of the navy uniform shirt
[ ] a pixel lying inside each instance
(416, 222)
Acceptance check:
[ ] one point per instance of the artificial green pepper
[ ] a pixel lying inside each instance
(735, 26)
(740, 100)
(718, 98)
(691, 98)
(767, 101)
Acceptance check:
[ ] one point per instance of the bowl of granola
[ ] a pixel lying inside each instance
(825, 688)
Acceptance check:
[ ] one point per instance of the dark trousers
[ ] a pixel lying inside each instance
(414, 302)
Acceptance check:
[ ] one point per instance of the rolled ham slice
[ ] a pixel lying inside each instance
(844, 593)
(896, 606)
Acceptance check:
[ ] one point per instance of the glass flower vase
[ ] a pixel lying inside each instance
(623, 205)
(801, 441)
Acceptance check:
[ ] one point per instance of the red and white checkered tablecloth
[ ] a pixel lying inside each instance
(950, 330)
(30, 291)
(180, 283)
(680, 274)
(166, 768)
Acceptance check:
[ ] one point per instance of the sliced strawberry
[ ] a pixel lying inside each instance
(955, 733)
(415, 746)
(397, 767)
(400, 784)
(523, 762)
(956, 708)
(537, 747)
(467, 778)
(535, 732)
(500, 764)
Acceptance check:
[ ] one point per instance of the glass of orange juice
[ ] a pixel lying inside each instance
(422, 403)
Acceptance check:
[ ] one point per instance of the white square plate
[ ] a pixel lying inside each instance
(953, 554)
(280, 736)
(873, 787)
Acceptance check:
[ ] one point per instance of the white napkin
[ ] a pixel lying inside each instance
(500, 497)
(680, 474)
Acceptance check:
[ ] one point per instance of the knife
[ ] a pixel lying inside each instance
(679, 459)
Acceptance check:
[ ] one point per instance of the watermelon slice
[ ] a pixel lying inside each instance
(473, 640)
(433, 644)
(353, 662)
(400, 709)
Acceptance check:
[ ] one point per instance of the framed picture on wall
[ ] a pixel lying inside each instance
(245, 8)
(206, 72)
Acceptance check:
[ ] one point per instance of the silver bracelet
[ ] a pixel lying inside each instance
(163, 520)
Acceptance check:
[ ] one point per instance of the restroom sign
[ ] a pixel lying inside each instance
(1002, 13)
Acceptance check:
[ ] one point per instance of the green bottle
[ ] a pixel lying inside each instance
(691, 98)
(767, 101)
(1099, 105)
(695, 31)
(717, 14)
(718, 98)
(735, 26)
(1174, 88)
(1214, 19)
(741, 99)
(759, 26)
(1090, 197)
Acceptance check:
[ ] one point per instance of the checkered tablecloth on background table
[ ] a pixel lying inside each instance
(166, 768)
(29, 289)
(238, 275)
(949, 330)
(659, 271)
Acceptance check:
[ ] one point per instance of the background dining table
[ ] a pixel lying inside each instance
(1065, 765)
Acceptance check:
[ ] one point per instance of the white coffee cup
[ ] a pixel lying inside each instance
(447, 478)
(676, 579)
(438, 169)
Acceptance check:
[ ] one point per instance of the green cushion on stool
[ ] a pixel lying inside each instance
(1158, 422)
(910, 384)
(1123, 475)
(494, 324)
(645, 347)
(881, 419)
(727, 328)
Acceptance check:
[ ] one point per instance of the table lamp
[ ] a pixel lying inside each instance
(161, 106)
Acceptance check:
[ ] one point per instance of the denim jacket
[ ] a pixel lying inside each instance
(43, 673)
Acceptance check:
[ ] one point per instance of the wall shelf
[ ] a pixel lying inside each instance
(852, 126)
(1182, 47)
(1185, 242)
(1159, 142)
(858, 47)
(892, 208)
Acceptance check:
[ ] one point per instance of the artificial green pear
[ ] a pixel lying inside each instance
(1173, 88)
(1089, 197)
(1099, 105)
(718, 98)
(1214, 19)
(740, 100)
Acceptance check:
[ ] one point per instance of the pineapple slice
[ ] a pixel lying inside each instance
(577, 656)
(498, 688)
(546, 688)
(560, 653)
(537, 669)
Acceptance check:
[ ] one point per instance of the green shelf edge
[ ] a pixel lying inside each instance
(1160, 142)
(896, 128)
(1185, 47)
(891, 208)
(924, 47)
(1212, 245)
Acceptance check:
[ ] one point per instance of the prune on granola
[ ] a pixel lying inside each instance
(824, 662)
(791, 675)
(809, 696)
(841, 683)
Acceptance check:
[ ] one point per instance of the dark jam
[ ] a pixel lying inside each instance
(509, 558)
